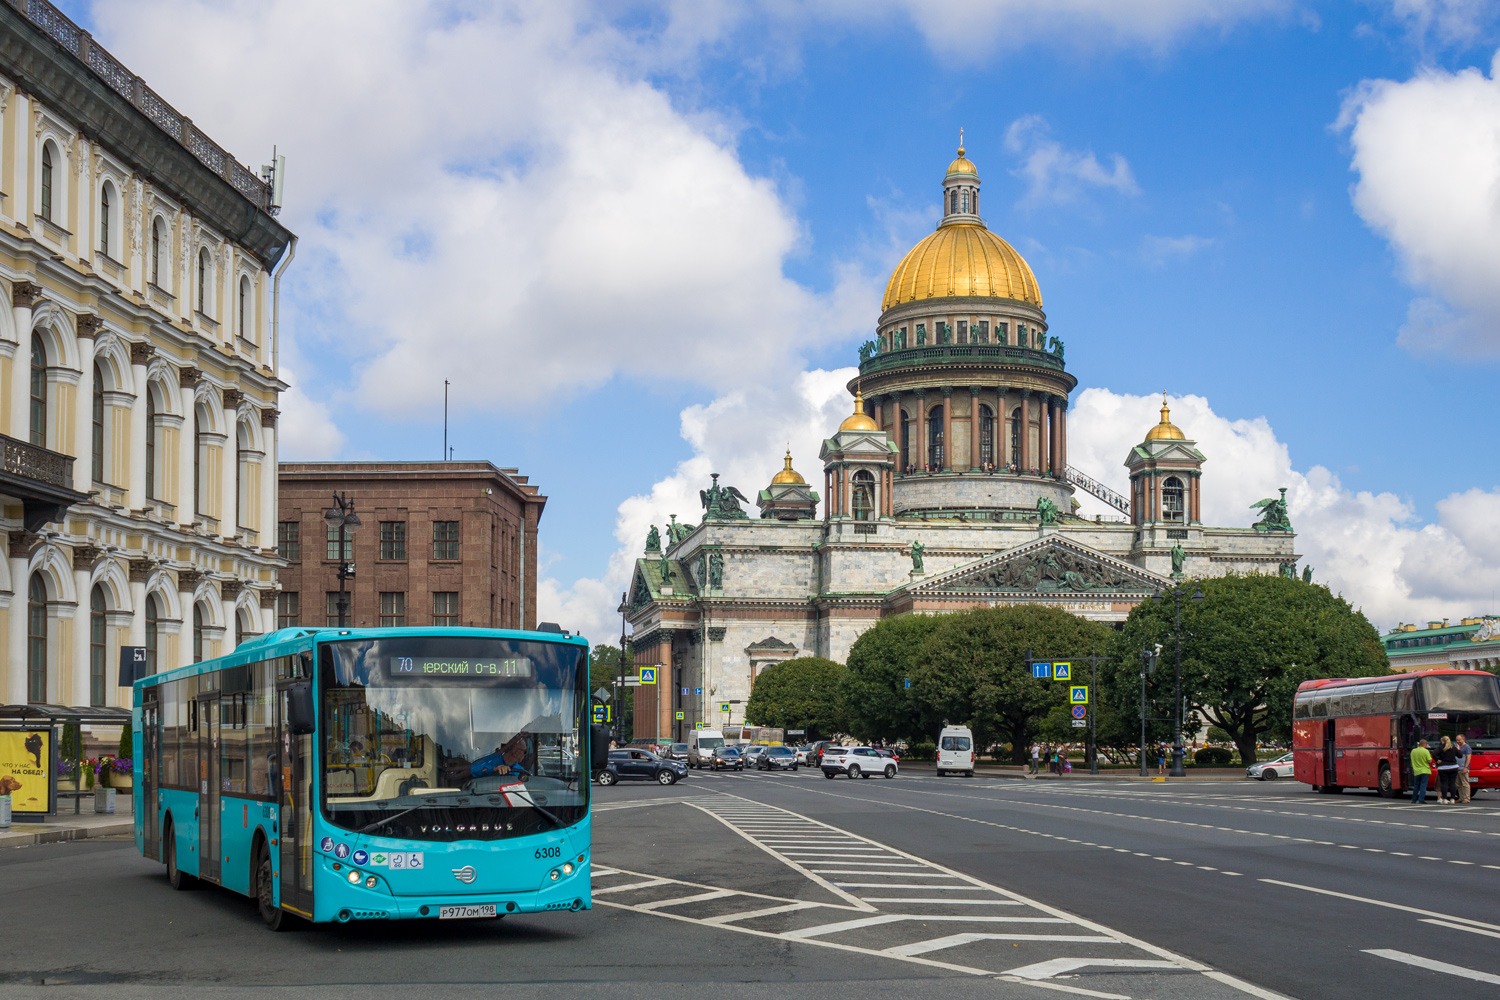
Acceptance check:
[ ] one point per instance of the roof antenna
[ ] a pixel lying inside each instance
(446, 452)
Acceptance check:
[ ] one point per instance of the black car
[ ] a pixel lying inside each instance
(727, 759)
(640, 765)
(777, 758)
(677, 752)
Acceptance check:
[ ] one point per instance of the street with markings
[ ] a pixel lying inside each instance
(740, 883)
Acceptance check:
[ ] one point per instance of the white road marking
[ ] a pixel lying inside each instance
(1422, 962)
(891, 918)
(682, 900)
(1460, 927)
(649, 883)
(1383, 903)
(725, 918)
(1058, 966)
(1061, 988)
(941, 902)
(954, 940)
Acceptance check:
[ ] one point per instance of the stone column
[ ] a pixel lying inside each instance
(922, 458)
(1002, 424)
(973, 428)
(228, 494)
(1025, 460)
(84, 559)
(23, 294)
(947, 465)
(1044, 434)
(140, 357)
(187, 447)
(187, 586)
(268, 611)
(19, 543)
(1062, 437)
(269, 515)
(83, 409)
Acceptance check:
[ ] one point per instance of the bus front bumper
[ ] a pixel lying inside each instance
(342, 901)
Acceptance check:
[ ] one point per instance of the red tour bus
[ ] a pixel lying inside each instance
(1359, 732)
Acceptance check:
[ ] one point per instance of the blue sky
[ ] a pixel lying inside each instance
(1181, 177)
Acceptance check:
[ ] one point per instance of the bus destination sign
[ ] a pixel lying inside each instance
(459, 667)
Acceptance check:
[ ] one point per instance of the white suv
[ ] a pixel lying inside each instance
(857, 762)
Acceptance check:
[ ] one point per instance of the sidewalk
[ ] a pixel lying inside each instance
(1021, 773)
(66, 826)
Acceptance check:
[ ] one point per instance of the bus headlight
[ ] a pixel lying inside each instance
(567, 868)
(554, 875)
(370, 882)
(354, 877)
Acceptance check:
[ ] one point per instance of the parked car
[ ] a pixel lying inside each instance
(1270, 770)
(806, 755)
(727, 759)
(752, 754)
(887, 752)
(677, 752)
(640, 765)
(857, 762)
(777, 759)
(955, 751)
(815, 752)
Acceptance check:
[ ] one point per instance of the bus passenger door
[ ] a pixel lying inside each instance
(208, 787)
(296, 813)
(150, 741)
(1330, 755)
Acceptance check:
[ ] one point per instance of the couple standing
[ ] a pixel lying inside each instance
(1452, 766)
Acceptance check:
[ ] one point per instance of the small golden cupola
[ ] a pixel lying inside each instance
(1166, 430)
(859, 420)
(788, 475)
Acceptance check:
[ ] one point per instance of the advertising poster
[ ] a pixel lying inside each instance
(25, 765)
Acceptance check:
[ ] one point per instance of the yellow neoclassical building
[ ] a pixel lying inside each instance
(138, 374)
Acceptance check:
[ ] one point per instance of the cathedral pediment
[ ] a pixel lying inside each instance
(1051, 565)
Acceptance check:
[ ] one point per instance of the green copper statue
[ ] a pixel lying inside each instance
(1179, 556)
(1273, 514)
(1046, 510)
(653, 540)
(917, 548)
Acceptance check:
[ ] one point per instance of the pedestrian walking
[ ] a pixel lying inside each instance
(1161, 759)
(1464, 753)
(1036, 757)
(1421, 772)
(1447, 769)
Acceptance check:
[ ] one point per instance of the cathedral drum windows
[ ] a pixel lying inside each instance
(1172, 505)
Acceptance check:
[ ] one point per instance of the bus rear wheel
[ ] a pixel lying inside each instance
(1386, 786)
(265, 895)
(176, 877)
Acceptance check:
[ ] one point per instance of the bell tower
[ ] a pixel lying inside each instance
(859, 468)
(1166, 474)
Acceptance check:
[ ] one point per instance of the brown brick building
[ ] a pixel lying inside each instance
(441, 543)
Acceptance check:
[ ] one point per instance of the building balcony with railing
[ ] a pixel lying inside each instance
(41, 479)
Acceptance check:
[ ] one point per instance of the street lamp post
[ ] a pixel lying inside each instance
(341, 516)
(1177, 593)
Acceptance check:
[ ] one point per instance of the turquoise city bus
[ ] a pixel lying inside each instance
(374, 774)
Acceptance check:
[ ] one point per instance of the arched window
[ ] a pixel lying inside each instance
(952, 202)
(1015, 438)
(863, 496)
(98, 650)
(245, 330)
(1171, 499)
(935, 439)
(966, 201)
(153, 616)
(98, 425)
(36, 640)
(47, 181)
(239, 630)
(239, 485)
(203, 282)
(104, 205)
(158, 247)
(197, 633)
(199, 461)
(986, 436)
(150, 445)
(905, 441)
(38, 391)
(976, 201)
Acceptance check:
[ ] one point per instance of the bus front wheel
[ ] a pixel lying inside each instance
(265, 895)
(176, 877)
(1386, 786)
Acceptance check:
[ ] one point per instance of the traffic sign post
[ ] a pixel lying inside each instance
(1078, 695)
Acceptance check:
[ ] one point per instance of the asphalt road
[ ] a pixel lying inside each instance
(751, 885)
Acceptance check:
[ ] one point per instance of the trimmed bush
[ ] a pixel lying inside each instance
(922, 751)
(1213, 757)
(126, 750)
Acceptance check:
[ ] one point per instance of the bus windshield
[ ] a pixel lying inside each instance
(447, 738)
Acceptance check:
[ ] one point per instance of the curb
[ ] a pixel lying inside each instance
(14, 838)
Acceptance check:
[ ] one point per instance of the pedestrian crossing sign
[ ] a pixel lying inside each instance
(723, 706)
(681, 716)
(648, 675)
(1062, 671)
(1078, 695)
(603, 714)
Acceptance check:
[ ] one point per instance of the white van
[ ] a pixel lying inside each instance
(955, 751)
(701, 743)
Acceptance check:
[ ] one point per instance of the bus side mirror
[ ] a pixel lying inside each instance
(598, 747)
(301, 716)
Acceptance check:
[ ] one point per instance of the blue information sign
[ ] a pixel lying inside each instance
(1042, 670)
(1062, 671)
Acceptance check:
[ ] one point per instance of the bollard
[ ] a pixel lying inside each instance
(104, 799)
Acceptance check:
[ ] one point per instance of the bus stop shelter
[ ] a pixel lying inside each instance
(52, 717)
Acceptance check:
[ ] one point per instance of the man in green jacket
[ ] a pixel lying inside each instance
(1421, 772)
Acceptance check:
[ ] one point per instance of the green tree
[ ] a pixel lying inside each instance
(1245, 649)
(973, 669)
(604, 665)
(803, 693)
(876, 699)
(126, 749)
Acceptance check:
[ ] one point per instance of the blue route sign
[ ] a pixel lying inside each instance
(1041, 670)
(1062, 671)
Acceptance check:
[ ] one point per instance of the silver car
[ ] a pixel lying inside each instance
(1270, 770)
(752, 754)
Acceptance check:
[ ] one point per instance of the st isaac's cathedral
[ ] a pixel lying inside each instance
(948, 487)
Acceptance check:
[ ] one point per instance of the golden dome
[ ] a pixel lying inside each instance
(1166, 430)
(788, 474)
(962, 165)
(961, 259)
(859, 420)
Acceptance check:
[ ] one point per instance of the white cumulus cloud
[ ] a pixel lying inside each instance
(1427, 152)
(1054, 173)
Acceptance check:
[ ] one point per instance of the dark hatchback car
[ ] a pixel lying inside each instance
(677, 752)
(777, 759)
(727, 759)
(640, 765)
